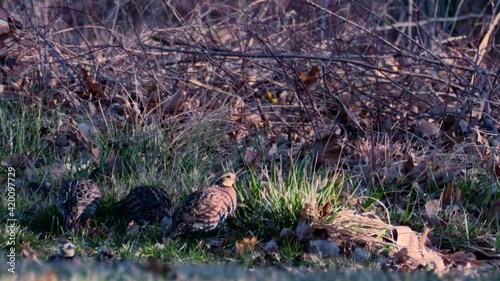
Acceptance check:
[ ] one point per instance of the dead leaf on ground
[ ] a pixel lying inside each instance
(96, 154)
(330, 150)
(423, 236)
(427, 129)
(409, 165)
(417, 253)
(29, 254)
(88, 130)
(367, 229)
(401, 256)
(93, 89)
(450, 195)
(432, 210)
(309, 78)
(245, 245)
(238, 110)
(461, 258)
(252, 157)
(254, 119)
(175, 103)
(152, 88)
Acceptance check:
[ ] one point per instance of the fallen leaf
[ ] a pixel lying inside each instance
(254, 119)
(93, 88)
(245, 245)
(151, 88)
(427, 129)
(448, 195)
(432, 209)
(409, 165)
(96, 155)
(15, 28)
(462, 258)
(418, 254)
(423, 236)
(252, 157)
(309, 78)
(29, 254)
(330, 150)
(273, 150)
(175, 103)
(401, 255)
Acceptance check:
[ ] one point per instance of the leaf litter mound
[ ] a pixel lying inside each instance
(345, 88)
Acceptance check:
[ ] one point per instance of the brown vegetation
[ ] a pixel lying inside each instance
(402, 100)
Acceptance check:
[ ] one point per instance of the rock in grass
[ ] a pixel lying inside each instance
(325, 248)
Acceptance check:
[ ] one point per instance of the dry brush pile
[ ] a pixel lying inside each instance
(384, 101)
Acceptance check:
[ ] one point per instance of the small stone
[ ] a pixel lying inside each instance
(272, 245)
(325, 248)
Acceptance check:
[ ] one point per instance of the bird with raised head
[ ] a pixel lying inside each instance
(78, 200)
(205, 209)
(67, 254)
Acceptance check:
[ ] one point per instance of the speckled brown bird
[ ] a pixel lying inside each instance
(78, 200)
(145, 204)
(205, 209)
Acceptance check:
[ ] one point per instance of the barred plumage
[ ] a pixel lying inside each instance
(78, 200)
(205, 209)
(145, 204)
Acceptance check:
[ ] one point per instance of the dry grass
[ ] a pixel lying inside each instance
(333, 108)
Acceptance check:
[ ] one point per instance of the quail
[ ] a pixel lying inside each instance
(67, 254)
(145, 204)
(205, 209)
(77, 201)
